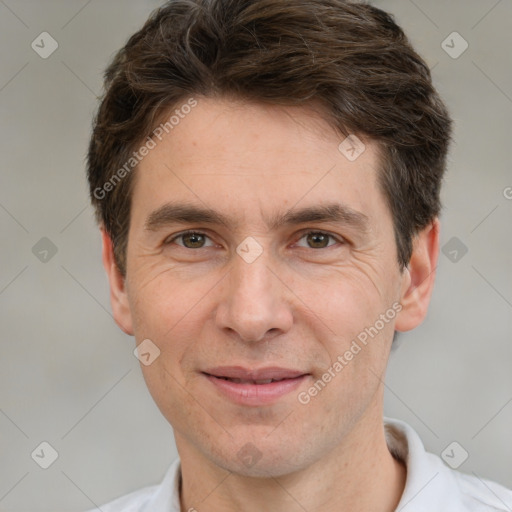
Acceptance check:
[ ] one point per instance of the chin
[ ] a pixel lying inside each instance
(262, 462)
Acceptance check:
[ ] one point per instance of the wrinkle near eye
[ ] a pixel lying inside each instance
(368, 271)
(151, 272)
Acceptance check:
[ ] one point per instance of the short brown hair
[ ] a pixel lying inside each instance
(350, 57)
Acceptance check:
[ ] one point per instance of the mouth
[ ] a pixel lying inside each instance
(250, 381)
(254, 387)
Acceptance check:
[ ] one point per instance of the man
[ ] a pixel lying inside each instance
(266, 176)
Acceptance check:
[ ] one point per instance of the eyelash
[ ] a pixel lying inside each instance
(305, 234)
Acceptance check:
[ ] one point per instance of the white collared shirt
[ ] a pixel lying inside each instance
(431, 486)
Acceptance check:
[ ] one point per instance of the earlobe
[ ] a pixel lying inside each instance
(418, 278)
(118, 296)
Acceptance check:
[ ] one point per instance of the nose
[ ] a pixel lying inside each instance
(255, 303)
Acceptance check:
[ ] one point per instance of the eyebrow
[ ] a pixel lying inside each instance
(171, 213)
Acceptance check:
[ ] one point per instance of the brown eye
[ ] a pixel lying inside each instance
(193, 240)
(318, 240)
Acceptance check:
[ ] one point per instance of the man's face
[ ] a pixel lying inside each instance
(255, 296)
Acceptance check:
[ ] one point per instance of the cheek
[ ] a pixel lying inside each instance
(354, 327)
(178, 405)
(174, 316)
(343, 302)
(163, 304)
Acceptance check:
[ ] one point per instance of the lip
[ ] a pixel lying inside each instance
(239, 372)
(252, 393)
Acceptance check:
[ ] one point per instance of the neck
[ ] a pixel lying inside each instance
(360, 475)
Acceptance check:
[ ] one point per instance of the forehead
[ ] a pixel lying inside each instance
(254, 158)
(237, 132)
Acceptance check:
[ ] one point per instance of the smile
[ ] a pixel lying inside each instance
(254, 387)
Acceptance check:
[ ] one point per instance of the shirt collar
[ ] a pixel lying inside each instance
(428, 482)
(429, 486)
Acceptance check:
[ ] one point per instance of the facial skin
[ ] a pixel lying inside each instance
(298, 306)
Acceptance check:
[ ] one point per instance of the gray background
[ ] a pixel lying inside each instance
(67, 373)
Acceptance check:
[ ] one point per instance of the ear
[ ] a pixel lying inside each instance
(418, 278)
(118, 296)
